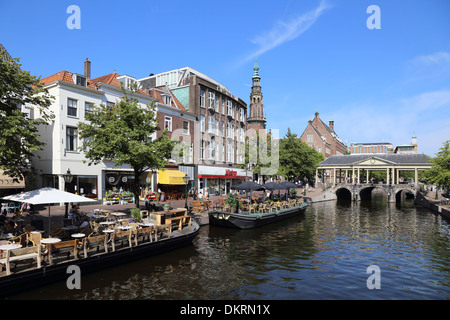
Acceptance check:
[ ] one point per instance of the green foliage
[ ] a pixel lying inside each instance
(439, 174)
(297, 159)
(122, 134)
(19, 137)
(232, 200)
(136, 214)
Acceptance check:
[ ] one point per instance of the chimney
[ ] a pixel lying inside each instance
(87, 69)
(331, 125)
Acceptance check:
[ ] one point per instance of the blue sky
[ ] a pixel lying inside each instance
(379, 85)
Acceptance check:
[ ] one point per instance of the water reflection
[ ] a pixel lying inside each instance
(323, 254)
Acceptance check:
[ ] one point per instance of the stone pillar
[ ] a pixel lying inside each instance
(416, 176)
(358, 176)
(387, 176)
(398, 175)
(334, 175)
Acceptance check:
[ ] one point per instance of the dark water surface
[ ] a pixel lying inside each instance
(323, 254)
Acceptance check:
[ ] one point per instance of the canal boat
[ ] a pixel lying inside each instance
(93, 259)
(258, 217)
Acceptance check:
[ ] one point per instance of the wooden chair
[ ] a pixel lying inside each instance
(252, 208)
(35, 238)
(96, 242)
(63, 248)
(21, 239)
(144, 233)
(122, 235)
(20, 254)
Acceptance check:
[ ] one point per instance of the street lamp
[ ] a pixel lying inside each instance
(67, 179)
(186, 181)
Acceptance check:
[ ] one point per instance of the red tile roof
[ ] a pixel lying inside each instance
(65, 76)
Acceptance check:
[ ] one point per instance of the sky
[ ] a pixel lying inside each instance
(382, 84)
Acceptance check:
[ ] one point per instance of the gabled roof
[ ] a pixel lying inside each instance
(65, 76)
(158, 92)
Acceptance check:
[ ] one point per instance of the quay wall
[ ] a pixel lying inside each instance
(426, 203)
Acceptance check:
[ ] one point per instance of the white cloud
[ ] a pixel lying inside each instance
(434, 67)
(283, 31)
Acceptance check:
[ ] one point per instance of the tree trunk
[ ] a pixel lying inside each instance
(137, 178)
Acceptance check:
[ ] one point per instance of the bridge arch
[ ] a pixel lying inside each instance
(343, 194)
(368, 192)
(403, 194)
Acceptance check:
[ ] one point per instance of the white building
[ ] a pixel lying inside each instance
(75, 95)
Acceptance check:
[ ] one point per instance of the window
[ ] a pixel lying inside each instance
(223, 129)
(309, 138)
(167, 100)
(202, 123)
(186, 127)
(216, 104)
(71, 107)
(229, 108)
(242, 114)
(88, 107)
(81, 81)
(168, 123)
(202, 98)
(211, 100)
(223, 106)
(71, 138)
(202, 149)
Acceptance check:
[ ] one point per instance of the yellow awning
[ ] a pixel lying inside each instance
(171, 177)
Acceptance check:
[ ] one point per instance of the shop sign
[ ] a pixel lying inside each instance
(230, 172)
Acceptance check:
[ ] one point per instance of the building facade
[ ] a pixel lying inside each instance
(75, 95)
(219, 133)
(323, 138)
(371, 148)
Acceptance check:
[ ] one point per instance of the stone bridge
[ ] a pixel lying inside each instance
(364, 191)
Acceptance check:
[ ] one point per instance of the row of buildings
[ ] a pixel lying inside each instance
(202, 113)
(191, 106)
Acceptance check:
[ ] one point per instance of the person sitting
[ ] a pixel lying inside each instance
(13, 228)
(85, 223)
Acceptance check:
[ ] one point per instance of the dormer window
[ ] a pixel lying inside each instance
(167, 100)
(81, 81)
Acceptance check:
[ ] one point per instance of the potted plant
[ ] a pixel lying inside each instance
(136, 214)
(166, 207)
(232, 201)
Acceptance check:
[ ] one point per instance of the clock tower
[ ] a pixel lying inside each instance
(256, 119)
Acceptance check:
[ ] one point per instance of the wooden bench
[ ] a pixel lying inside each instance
(178, 222)
(120, 235)
(63, 247)
(95, 241)
(146, 232)
(21, 254)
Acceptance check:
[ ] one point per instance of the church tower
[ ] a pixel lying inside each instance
(256, 119)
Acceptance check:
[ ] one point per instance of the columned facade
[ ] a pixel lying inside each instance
(357, 168)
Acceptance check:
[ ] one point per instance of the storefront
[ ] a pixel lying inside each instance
(119, 186)
(86, 186)
(219, 180)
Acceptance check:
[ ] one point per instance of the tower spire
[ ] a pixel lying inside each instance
(256, 69)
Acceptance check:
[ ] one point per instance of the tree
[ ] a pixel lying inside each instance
(122, 135)
(297, 159)
(439, 173)
(19, 137)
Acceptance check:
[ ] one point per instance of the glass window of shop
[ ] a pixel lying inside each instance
(84, 186)
(119, 185)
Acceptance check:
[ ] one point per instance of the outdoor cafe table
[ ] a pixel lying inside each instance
(125, 227)
(118, 214)
(78, 235)
(107, 223)
(11, 246)
(161, 215)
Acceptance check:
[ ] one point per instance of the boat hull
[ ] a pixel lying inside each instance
(22, 281)
(248, 221)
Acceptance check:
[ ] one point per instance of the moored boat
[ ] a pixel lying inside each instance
(249, 219)
(94, 260)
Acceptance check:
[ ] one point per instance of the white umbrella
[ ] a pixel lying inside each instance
(47, 196)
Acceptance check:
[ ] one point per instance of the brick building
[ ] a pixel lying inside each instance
(221, 122)
(323, 138)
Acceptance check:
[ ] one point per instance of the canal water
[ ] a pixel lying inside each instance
(328, 253)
